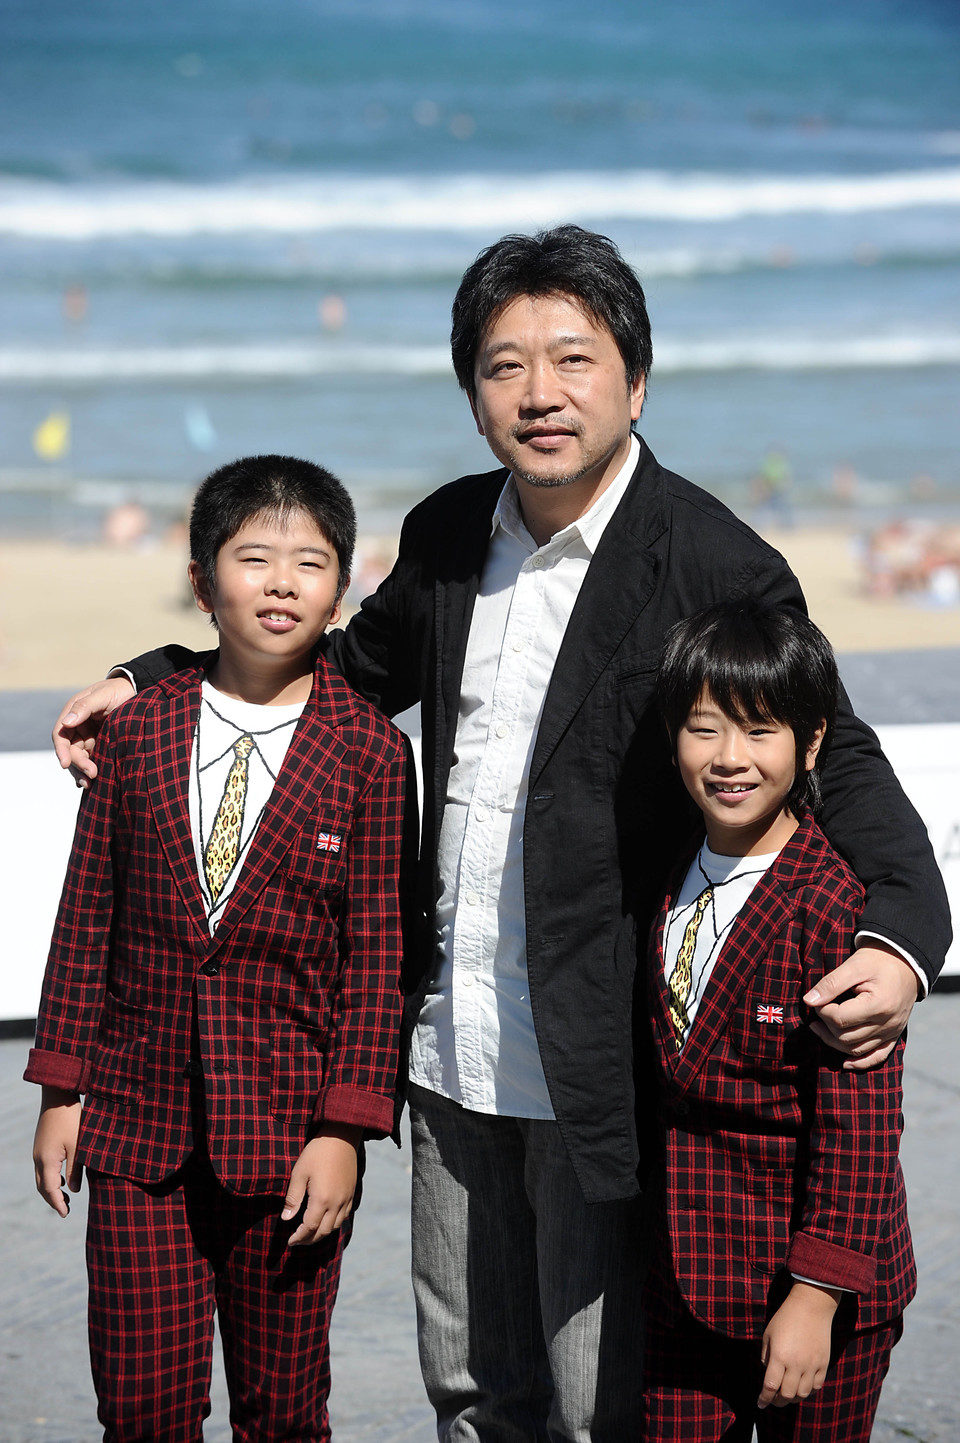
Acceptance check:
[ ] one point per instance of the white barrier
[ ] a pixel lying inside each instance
(927, 761)
(41, 805)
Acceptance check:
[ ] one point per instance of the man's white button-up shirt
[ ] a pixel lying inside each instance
(475, 1041)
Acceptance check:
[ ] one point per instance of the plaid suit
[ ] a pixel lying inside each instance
(776, 1160)
(212, 1059)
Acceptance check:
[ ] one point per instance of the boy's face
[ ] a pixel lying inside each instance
(739, 775)
(275, 590)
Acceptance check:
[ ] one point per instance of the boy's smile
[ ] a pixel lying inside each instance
(279, 621)
(740, 774)
(276, 591)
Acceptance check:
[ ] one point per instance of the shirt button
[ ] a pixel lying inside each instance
(480, 813)
(472, 899)
(537, 562)
(468, 980)
(518, 646)
(502, 730)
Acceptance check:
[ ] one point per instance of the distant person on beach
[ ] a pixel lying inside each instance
(770, 490)
(224, 983)
(525, 613)
(782, 1260)
(126, 526)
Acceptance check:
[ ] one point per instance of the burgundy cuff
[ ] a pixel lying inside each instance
(831, 1264)
(56, 1069)
(369, 1110)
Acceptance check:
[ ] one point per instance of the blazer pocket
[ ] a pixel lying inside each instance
(297, 1066)
(768, 1200)
(122, 1019)
(766, 1032)
(117, 1070)
(632, 687)
(318, 857)
(638, 672)
(770, 1245)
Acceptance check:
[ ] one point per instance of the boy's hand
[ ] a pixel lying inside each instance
(323, 1182)
(796, 1345)
(55, 1148)
(867, 1024)
(75, 730)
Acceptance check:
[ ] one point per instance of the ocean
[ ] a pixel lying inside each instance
(230, 226)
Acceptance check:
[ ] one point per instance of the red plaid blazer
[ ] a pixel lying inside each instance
(775, 1157)
(296, 995)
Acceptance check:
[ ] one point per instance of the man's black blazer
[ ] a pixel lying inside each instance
(606, 813)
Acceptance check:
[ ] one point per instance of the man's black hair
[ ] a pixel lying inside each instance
(566, 261)
(760, 663)
(276, 487)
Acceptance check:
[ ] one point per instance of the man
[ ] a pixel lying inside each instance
(526, 613)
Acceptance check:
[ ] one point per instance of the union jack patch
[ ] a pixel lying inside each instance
(329, 842)
(766, 1013)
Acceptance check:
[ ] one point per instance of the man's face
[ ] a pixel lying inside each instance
(552, 397)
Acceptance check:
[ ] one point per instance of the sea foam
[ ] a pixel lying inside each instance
(484, 203)
(290, 361)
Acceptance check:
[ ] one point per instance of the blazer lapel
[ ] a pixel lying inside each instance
(763, 915)
(168, 749)
(460, 562)
(620, 580)
(657, 989)
(761, 919)
(310, 767)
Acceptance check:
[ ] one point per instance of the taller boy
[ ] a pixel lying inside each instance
(526, 613)
(224, 983)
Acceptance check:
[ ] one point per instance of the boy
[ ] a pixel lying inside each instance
(223, 983)
(783, 1259)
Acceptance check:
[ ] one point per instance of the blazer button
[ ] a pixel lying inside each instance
(681, 1108)
(193, 1068)
(210, 969)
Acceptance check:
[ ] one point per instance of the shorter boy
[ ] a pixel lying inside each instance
(223, 983)
(782, 1261)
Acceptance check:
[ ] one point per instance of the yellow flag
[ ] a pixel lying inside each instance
(51, 439)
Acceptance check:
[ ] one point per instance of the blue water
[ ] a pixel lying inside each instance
(785, 178)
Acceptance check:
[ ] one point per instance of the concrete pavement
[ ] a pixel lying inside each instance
(45, 1393)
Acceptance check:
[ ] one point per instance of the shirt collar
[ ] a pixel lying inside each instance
(589, 527)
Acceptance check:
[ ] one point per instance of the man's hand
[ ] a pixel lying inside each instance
(75, 729)
(323, 1182)
(55, 1148)
(796, 1345)
(866, 1024)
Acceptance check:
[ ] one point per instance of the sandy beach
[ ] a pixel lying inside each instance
(68, 612)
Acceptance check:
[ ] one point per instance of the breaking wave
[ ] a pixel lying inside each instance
(286, 361)
(485, 203)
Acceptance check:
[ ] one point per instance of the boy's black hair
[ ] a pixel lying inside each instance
(759, 663)
(275, 486)
(567, 261)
